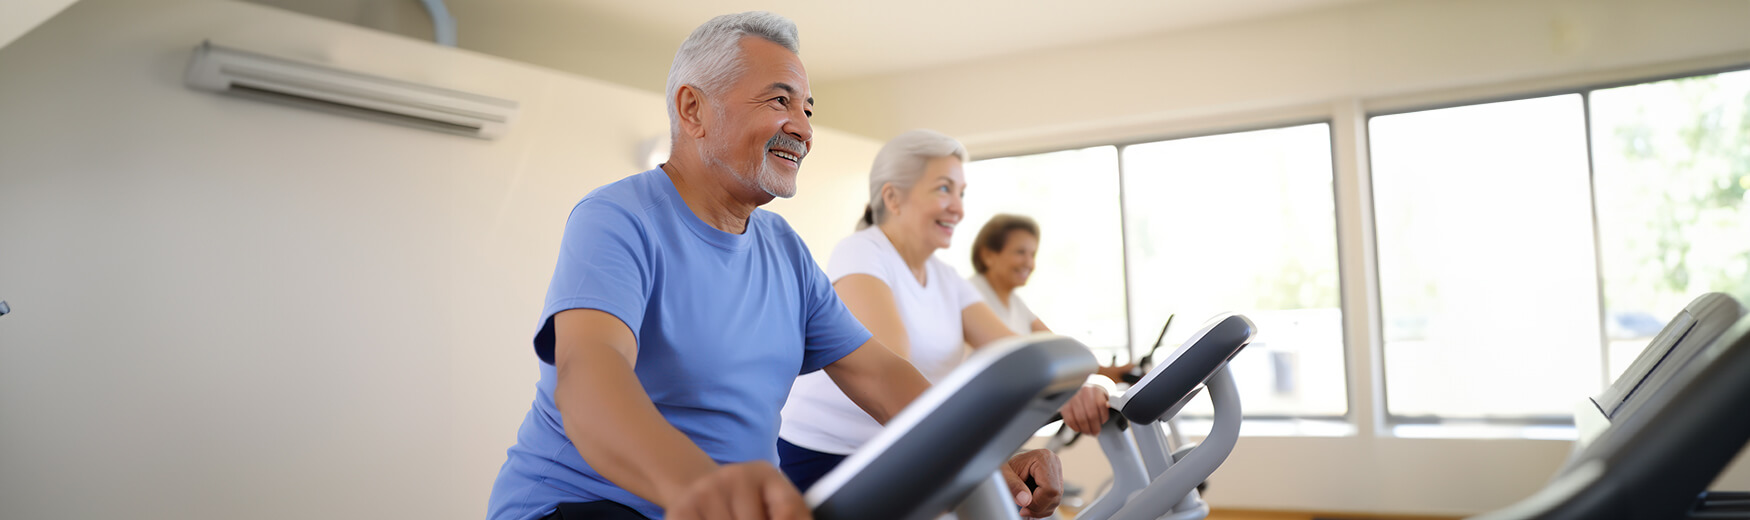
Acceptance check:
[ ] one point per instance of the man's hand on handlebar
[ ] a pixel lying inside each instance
(1040, 470)
(745, 491)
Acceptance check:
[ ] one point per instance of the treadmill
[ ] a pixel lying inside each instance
(1672, 423)
(1695, 327)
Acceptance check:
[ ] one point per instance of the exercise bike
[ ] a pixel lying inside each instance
(1150, 478)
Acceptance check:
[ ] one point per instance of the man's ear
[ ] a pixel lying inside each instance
(690, 108)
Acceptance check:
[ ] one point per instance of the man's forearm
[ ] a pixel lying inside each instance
(904, 384)
(879, 381)
(615, 427)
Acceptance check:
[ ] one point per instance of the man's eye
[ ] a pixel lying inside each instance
(782, 100)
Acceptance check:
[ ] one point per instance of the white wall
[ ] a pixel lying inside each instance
(1332, 65)
(228, 308)
(20, 16)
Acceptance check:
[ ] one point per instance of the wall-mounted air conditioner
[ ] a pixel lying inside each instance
(231, 71)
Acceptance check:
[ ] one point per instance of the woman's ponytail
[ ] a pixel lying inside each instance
(868, 218)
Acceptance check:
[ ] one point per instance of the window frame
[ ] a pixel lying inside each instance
(1353, 198)
(1391, 421)
(1343, 296)
(1584, 90)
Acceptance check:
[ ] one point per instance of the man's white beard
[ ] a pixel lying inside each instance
(765, 178)
(770, 181)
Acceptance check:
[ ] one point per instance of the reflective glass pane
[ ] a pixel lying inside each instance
(1077, 286)
(1242, 222)
(1487, 272)
(1672, 169)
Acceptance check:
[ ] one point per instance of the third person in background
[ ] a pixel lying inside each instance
(1003, 256)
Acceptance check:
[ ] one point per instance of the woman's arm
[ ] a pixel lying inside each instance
(1039, 326)
(982, 326)
(882, 384)
(871, 301)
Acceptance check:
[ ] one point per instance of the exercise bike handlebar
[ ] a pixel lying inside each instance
(1165, 486)
(1169, 385)
(1170, 488)
(957, 434)
(1174, 381)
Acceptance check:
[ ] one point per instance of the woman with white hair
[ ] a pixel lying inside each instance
(915, 304)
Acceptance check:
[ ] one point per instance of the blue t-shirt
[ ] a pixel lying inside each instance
(724, 324)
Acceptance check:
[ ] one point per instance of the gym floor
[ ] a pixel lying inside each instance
(1244, 514)
(1241, 514)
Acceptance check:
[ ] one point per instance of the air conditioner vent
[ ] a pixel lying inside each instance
(216, 68)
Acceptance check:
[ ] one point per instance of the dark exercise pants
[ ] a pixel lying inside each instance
(597, 510)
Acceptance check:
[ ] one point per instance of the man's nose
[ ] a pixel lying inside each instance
(799, 127)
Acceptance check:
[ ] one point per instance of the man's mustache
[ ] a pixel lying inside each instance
(783, 141)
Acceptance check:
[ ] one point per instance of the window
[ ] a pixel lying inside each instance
(1672, 166)
(1526, 250)
(1077, 286)
(1487, 277)
(1242, 222)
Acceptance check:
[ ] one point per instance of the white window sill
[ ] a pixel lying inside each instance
(1199, 427)
(1484, 430)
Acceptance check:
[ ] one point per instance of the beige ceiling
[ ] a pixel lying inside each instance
(631, 42)
(847, 39)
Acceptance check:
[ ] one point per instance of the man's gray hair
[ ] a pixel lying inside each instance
(710, 59)
(901, 163)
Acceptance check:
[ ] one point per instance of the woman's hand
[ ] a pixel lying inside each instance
(1116, 373)
(1086, 411)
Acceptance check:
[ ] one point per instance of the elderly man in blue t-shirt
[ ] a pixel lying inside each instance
(679, 314)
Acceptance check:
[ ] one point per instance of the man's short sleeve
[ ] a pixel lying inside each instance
(604, 264)
(832, 331)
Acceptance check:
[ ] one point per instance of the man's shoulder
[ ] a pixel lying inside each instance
(776, 231)
(627, 201)
(635, 192)
(773, 227)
